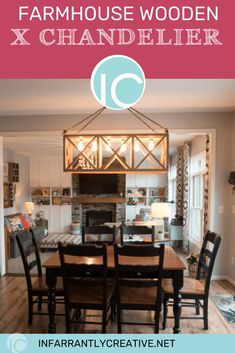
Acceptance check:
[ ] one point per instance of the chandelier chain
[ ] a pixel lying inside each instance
(92, 117)
(97, 113)
(133, 110)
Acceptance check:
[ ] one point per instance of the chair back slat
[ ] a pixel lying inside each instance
(207, 257)
(83, 270)
(32, 264)
(139, 271)
(207, 253)
(204, 266)
(26, 252)
(138, 283)
(139, 251)
(29, 250)
(137, 230)
(86, 250)
(131, 230)
(74, 260)
(98, 230)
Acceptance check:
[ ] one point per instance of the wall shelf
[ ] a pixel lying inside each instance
(51, 196)
(142, 191)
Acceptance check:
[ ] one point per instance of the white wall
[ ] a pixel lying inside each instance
(231, 234)
(2, 238)
(198, 144)
(48, 172)
(23, 187)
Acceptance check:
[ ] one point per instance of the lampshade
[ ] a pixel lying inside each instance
(160, 210)
(29, 206)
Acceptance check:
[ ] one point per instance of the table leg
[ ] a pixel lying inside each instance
(177, 285)
(51, 282)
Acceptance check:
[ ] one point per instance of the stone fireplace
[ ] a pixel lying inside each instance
(87, 210)
(96, 218)
(98, 213)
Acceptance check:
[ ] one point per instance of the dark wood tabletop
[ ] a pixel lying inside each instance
(171, 260)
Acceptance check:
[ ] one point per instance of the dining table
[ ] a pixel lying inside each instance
(173, 268)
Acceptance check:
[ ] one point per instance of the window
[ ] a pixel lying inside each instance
(197, 177)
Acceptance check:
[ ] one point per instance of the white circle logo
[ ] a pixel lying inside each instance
(17, 343)
(118, 82)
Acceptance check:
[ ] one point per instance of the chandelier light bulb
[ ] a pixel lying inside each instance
(136, 146)
(108, 146)
(80, 146)
(151, 145)
(94, 146)
(123, 148)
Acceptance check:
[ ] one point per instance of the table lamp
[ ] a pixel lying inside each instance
(29, 207)
(159, 211)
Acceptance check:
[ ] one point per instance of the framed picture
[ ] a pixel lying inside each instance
(45, 191)
(8, 195)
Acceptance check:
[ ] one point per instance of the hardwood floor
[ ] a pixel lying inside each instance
(13, 313)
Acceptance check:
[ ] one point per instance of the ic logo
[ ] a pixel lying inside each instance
(17, 343)
(117, 82)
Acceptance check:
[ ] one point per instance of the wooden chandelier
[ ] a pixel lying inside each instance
(116, 153)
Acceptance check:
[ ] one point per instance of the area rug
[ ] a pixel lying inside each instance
(226, 305)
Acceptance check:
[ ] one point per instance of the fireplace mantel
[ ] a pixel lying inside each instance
(97, 199)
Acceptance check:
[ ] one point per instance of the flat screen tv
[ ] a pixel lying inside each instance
(98, 184)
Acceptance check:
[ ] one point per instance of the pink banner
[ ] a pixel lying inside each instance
(66, 39)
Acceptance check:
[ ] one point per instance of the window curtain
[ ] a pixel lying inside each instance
(182, 190)
(186, 199)
(179, 182)
(206, 186)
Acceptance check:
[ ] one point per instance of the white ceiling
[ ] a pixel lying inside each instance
(59, 97)
(52, 146)
(36, 97)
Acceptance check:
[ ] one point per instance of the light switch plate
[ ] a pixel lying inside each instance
(221, 209)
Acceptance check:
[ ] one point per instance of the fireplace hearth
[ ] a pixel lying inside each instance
(96, 218)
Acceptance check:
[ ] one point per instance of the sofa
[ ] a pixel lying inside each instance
(20, 223)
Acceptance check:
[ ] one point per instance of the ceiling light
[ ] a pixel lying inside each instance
(94, 146)
(108, 146)
(151, 145)
(80, 146)
(127, 153)
(136, 146)
(123, 148)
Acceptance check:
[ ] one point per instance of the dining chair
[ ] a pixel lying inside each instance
(131, 231)
(138, 279)
(36, 284)
(196, 289)
(84, 270)
(98, 235)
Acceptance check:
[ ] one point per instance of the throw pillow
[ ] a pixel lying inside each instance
(15, 223)
(7, 225)
(29, 220)
(24, 222)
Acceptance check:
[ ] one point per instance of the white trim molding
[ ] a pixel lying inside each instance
(223, 278)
